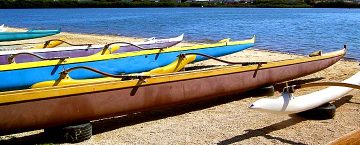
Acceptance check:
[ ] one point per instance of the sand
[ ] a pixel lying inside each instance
(225, 120)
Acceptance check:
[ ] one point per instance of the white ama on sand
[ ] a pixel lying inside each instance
(289, 104)
(2, 28)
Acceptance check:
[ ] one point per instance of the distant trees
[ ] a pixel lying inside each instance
(281, 3)
(339, 4)
(168, 3)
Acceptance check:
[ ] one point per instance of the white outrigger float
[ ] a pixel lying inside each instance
(287, 103)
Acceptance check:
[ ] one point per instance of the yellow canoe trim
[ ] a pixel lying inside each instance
(175, 66)
(69, 81)
(51, 92)
(112, 49)
(225, 40)
(117, 55)
(51, 44)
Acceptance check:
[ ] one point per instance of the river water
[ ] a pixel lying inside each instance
(299, 31)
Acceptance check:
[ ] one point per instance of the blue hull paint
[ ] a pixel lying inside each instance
(31, 34)
(24, 78)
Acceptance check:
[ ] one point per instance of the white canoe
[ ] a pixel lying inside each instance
(289, 104)
(150, 41)
(2, 28)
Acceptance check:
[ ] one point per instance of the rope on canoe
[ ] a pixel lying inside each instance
(224, 61)
(48, 42)
(291, 89)
(11, 58)
(131, 44)
(124, 77)
(259, 64)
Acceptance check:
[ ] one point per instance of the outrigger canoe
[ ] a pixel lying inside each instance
(60, 105)
(30, 34)
(86, 50)
(23, 75)
(2, 28)
(288, 103)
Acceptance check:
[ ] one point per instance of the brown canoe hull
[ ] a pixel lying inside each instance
(49, 112)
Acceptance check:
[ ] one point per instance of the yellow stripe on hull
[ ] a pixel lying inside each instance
(175, 66)
(69, 81)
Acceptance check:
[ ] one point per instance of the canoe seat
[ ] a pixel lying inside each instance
(316, 53)
(50, 44)
(111, 50)
(225, 40)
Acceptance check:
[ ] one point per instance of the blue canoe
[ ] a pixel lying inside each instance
(12, 36)
(23, 75)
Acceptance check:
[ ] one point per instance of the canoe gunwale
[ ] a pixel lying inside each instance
(26, 65)
(30, 34)
(66, 60)
(33, 32)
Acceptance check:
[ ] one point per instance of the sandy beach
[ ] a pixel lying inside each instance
(226, 120)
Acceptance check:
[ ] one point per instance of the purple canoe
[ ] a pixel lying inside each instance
(81, 51)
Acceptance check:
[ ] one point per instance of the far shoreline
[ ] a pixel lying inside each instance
(86, 38)
(8, 4)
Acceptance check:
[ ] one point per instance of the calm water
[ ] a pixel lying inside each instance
(288, 30)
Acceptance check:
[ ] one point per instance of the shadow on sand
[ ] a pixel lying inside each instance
(264, 132)
(250, 133)
(109, 124)
(344, 100)
(136, 118)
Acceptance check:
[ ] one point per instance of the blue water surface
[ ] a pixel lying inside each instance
(298, 31)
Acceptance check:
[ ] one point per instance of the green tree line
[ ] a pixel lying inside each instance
(165, 3)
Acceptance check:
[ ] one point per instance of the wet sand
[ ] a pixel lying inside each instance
(225, 120)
